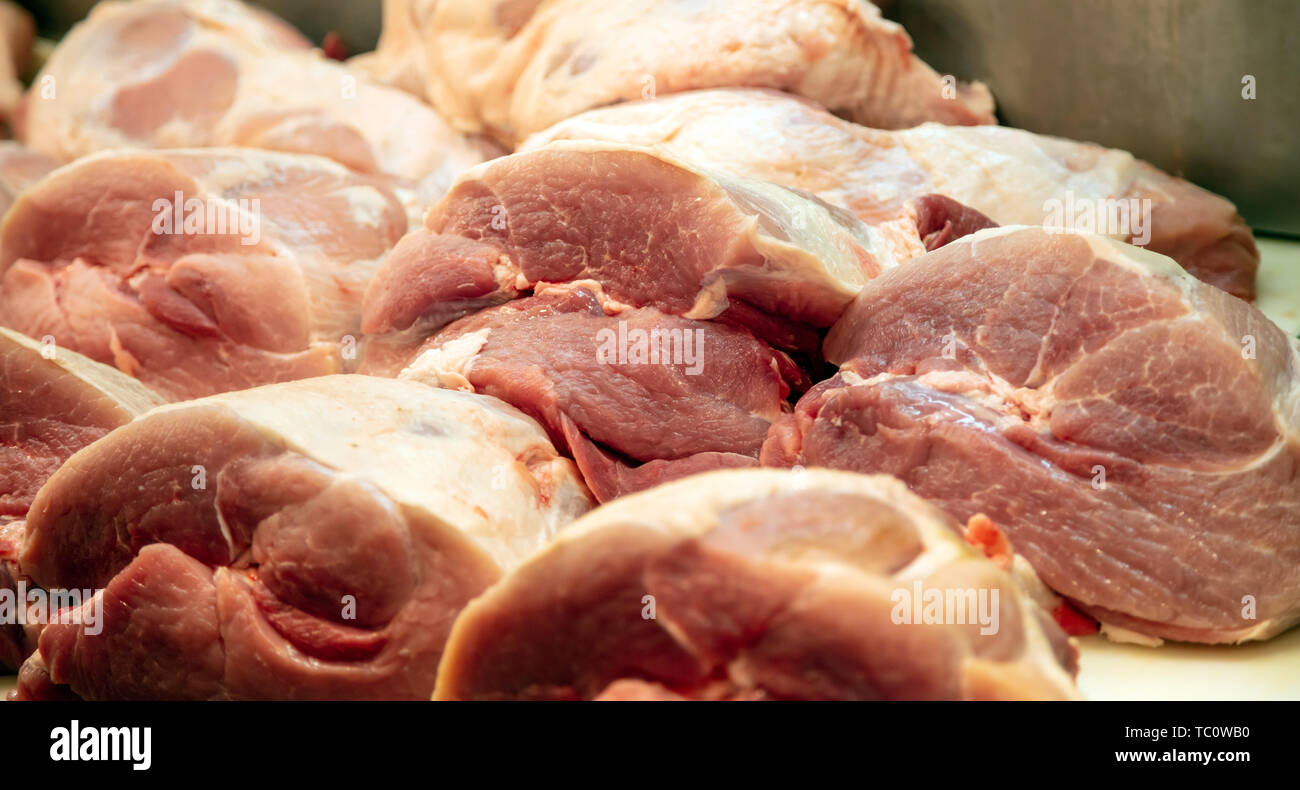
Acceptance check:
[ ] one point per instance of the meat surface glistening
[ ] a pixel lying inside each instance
(307, 540)
(1010, 175)
(198, 271)
(758, 584)
(1134, 431)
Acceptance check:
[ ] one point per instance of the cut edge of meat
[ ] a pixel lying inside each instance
(344, 460)
(608, 558)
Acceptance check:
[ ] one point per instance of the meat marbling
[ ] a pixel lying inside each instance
(198, 73)
(1134, 431)
(195, 309)
(1007, 174)
(756, 584)
(510, 68)
(308, 540)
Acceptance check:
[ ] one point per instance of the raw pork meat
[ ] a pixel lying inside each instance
(1007, 174)
(635, 247)
(198, 73)
(259, 279)
(53, 402)
(651, 230)
(307, 540)
(1135, 432)
(512, 67)
(703, 394)
(757, 584)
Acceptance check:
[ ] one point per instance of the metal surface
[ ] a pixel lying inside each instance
(1160, 78)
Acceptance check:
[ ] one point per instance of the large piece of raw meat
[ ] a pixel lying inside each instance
(1135, 431)
(255, 275)
(674, 397)
(53, 402)
(194, 73)
(511, 68)
(690, 279)
(1010, 175)
(757, 584)
(306, 540)
(650, 229)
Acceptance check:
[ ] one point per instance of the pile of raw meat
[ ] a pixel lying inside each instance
(587, 350)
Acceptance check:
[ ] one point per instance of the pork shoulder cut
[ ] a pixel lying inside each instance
(200, 73)
(1012, 176)
(512, 68)
(53, 402)
(1134, 431)
(635, 396)
(758, 584)
(651, 230)
(307, 540)
(198, 271)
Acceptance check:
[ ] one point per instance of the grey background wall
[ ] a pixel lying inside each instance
(1160, 78)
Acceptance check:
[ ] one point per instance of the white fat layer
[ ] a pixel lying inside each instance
(132, 397)
(1008, 174)
(1121, 635)
(448, 365)
(466, 462)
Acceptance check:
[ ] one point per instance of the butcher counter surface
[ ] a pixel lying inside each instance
(1255, 671)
